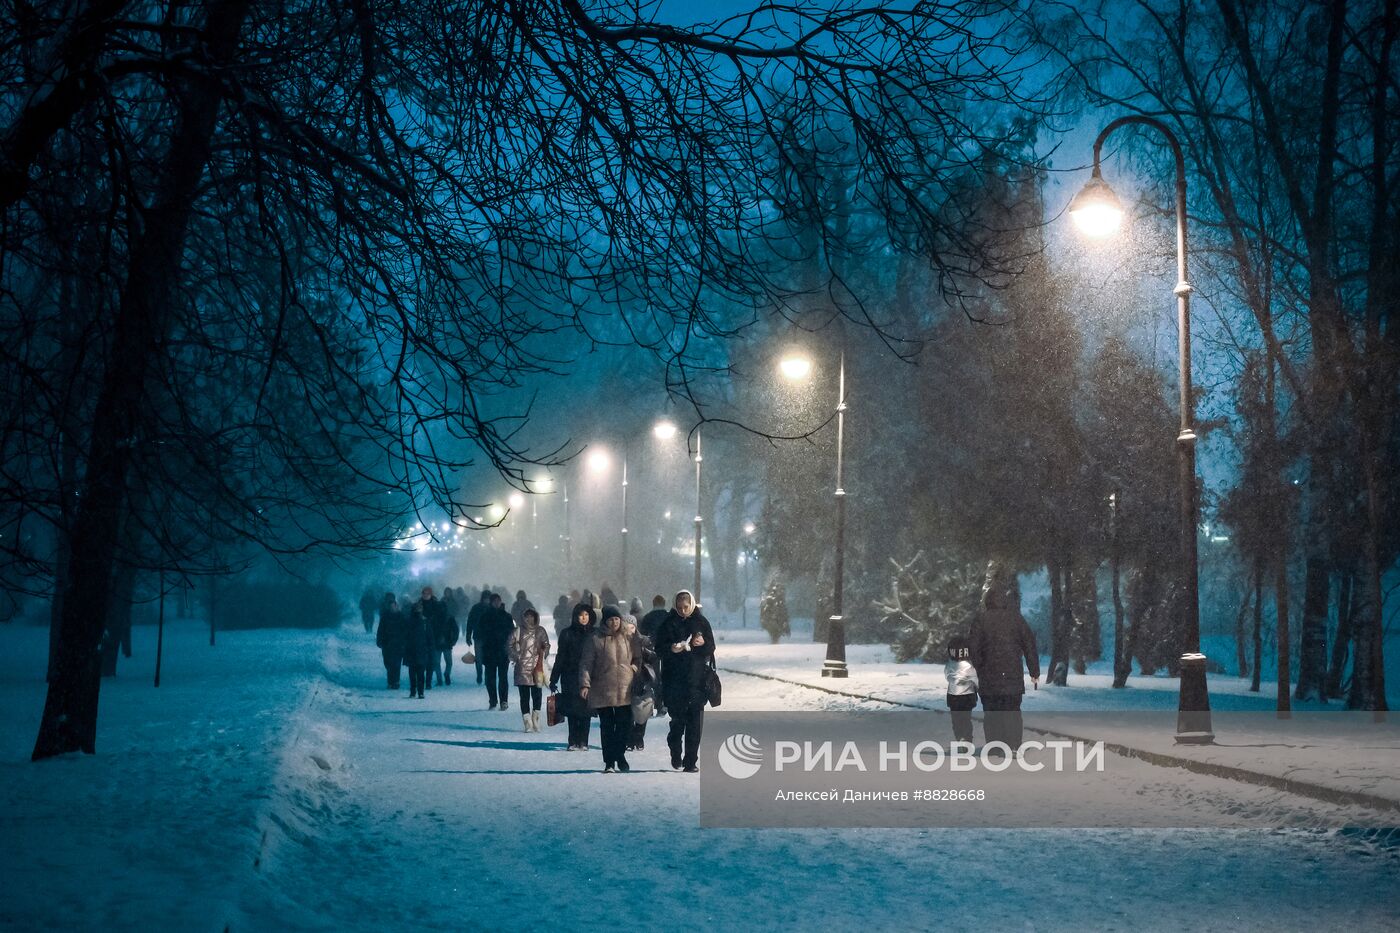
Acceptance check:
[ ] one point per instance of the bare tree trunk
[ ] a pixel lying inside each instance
(1258, 624)
(1312, 651)
(69, 721)
(1343, 638)
(1241, 653)
(1122, 654)
(1281, 611)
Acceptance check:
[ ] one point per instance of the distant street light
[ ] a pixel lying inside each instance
(516, 500)
(1098, 212)
(599, 462)
(664, 430)
(796, 367)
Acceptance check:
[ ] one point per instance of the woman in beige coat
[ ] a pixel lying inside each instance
(606, 668)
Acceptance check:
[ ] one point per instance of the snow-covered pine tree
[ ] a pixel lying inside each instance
(929, 601)
(773, 610)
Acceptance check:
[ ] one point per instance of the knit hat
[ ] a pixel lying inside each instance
(611, 612)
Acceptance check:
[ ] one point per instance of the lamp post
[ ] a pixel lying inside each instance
(622, 582)
(749, 529)
(698, 519)
(796, 368)
(1097, 211)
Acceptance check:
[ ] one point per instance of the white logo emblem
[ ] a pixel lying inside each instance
(740, 756)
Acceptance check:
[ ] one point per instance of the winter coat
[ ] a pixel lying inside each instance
(565, 673)
(517, 610)
(561, 617)
(392, 635)
(418, 641)
(606, 668)
(650, 623)
(446, 631)
(474, 617)
(528, 648)
(608, 597)
(962, 678)
(683, 672)
(435, 611)
(492, 635)
(1000, 638)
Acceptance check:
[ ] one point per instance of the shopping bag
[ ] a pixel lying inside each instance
(551, 712)
(468, 658)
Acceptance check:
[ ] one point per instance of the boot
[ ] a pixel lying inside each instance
(535, 721)
(526, 718)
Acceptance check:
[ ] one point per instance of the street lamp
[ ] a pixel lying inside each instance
(622, 581)
(1097, 211)
(698, 520)
(663, 430)
(796, 367)
(516, 500)
(749, 529)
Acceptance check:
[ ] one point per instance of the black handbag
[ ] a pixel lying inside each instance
(713, 688)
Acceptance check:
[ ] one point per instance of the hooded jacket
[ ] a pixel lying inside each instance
(606, 665)
(565, 673)
(528, 648)
(999, 639)
(683, 672)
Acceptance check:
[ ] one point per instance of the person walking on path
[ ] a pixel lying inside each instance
(368, 605)
(962, 687)
(391, 638)
(528, 648)
(474, 618)
(436, 613)
(1000, 639)
(561, 615)
(519, 607)
(644, 685)
(493, 634)
(445, 632)
(564, 677)
(607, 665)
(686, 645)
(418, 650)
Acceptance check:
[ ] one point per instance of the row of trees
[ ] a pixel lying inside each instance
(266, 266)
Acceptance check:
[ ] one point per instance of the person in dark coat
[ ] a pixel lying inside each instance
(368, 604)
(435, 611)
(646, 627)
(647, 682)
(446, 633)
(686, 645)
(492, 636)
(606, 594)
(564, 677)
(418, 650)
(519, 607)
(474, 618)
(391, 638)
(1000, 639)
(561, 616)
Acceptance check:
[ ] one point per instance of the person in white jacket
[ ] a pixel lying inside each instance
(962, 687)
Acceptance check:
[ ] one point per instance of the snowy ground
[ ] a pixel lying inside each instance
(328, 802)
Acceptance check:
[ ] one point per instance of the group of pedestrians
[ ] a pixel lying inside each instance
(417, 634)
(612, 662)
(624, 669)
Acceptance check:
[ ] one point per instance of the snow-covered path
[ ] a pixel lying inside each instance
(438, 814)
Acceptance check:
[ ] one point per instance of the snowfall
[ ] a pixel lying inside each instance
(272, 782)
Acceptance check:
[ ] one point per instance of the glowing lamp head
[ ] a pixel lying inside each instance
(664, 430)
(496, 512)
(1096, 210)
(599, 462)
(545, 485)
(516, 500)
(795, 367)
(749, 528)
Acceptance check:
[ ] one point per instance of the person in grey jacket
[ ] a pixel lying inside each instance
(607, 665)
(1000, 639)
